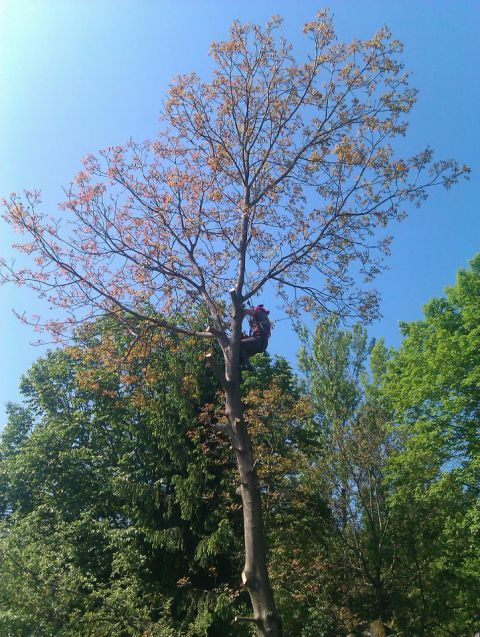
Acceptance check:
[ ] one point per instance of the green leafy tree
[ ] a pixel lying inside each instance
(350, 422)
(434, 383)
(118, 504)
(114, 511)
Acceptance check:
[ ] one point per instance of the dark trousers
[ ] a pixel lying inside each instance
(252, 345)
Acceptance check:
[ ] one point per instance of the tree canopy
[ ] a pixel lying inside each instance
(273, 171)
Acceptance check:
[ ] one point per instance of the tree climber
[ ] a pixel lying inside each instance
(257, 340)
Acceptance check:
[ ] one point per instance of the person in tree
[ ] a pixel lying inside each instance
(257, 340)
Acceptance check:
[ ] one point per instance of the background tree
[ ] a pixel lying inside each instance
(350, 424)
(115, 516)
(274, 172)
(433, 384)
(117, 500)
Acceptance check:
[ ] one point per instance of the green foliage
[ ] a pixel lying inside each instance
(348, 471)
(118, 496)
(118, 511)
(433, 384)
(113, 511)
(398, 466)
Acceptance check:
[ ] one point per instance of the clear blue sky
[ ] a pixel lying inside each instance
(76, 76)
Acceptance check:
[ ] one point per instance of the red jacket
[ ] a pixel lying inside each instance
(261, 326)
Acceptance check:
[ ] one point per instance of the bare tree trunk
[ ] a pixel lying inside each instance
(255, 574)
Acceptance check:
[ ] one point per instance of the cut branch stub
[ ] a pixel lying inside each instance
(215, 367)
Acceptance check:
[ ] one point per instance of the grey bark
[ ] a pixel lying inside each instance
(255, 574)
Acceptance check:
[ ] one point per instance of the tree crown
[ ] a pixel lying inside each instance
(272, 172)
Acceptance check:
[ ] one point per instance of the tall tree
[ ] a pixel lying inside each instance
(350, 422)
(273, 172)
(433, 384)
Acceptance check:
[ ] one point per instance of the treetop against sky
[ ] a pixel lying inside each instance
(68, 96)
